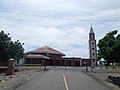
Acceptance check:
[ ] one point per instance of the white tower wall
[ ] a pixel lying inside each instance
(92, 47)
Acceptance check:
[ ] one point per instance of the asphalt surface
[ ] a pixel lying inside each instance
(60, 79)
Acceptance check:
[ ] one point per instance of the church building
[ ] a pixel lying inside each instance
(46, 56)
(51, 57)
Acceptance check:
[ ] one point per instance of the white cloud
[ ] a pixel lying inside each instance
(57, 23)
(50, 4)
(64, 40)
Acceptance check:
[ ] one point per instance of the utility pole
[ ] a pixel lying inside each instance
(86, 67)
(65, 64)
(44, 64)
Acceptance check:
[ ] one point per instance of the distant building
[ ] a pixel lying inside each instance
(72, 61)
(51, 57)
(92, 47)
(77, 61)
(21, 62)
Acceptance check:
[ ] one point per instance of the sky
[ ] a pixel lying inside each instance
(60, 24)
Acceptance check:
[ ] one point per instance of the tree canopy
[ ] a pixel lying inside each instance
(109, 47)
(10, 49)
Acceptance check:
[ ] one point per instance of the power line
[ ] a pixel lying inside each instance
(82, 20)
(24, 14)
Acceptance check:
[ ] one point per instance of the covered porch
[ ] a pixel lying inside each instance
(36, 59)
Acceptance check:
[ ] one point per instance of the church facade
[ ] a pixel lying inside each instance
(50, 57)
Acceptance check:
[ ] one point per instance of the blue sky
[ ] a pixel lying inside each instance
(60, 24)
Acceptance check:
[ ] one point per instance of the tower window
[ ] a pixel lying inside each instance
(92, 37)
(92, 48)
(92, 43)
(93, 53)
(93, 60)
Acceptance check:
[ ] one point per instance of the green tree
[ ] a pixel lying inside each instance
(10, 49)
(4, 41)
(15, 50)
(116, 49)
(106, 45)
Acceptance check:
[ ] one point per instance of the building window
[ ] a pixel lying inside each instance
(93, 53)
(92, 43)
(93, 60)
(92, 48)
(92, 36)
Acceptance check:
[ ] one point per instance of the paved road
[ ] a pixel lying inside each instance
(61, 79)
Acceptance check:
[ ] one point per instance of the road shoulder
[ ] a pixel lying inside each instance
(102, 79)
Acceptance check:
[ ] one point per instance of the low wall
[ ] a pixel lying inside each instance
(3, 63)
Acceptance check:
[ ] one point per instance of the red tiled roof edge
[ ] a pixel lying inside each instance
(46, 49)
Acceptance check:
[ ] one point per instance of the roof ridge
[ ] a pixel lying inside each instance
(54, 50)
(46, 49)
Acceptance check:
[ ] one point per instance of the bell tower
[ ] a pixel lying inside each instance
(92, 47)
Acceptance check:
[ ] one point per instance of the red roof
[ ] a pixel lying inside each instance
(46, 49)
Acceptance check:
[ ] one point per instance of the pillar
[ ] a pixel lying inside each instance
(11, 67)
(80, 62)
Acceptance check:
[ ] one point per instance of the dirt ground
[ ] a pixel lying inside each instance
(21, 76)
(101, 75)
